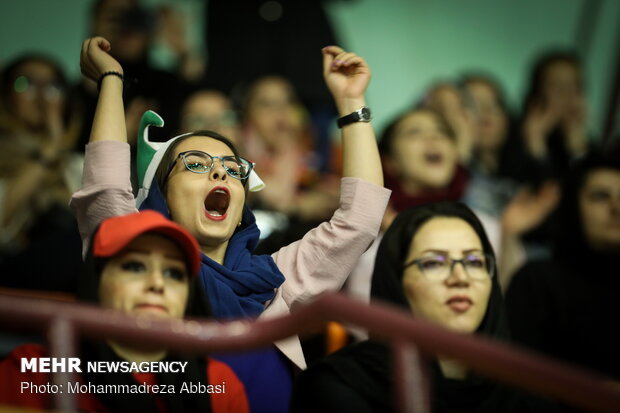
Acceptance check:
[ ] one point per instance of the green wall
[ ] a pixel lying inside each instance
(409, 43)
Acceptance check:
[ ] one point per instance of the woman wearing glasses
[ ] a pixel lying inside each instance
(435, 261)
(201, 182)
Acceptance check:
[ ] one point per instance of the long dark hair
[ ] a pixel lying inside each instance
(539, 70)
(387, 279)
(570, 241)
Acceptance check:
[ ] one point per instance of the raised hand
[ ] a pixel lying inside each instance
(96, 60)
(347, 76)
(539, 121)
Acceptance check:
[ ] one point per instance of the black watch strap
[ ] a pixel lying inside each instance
(360, 115)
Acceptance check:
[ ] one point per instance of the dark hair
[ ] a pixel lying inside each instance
(539, 70)
(387, 276)
(387, 137)
(487, 79)
(570, 240)
(169, 158)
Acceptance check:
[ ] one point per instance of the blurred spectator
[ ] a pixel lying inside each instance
(131, 28)
(554, 114)
(446, 98)
(39, 240)
(211, 110)
(286, 36)
(553, 134)
(566, 305)
(278, 137)
(494, 155)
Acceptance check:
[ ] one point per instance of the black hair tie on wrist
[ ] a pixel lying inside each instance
(110, 73)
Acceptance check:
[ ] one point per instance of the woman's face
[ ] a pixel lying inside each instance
(459, 302)
(272, 111)
(599, 202)
(561, 88)
(422, 153)
(149, 276)
(209, 205)
(210, 110)
(491, 122)
(36, 94)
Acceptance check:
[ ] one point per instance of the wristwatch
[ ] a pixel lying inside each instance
(360, 115)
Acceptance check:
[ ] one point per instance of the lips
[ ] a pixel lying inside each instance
(151, 307)
(216, 203)
(433, 157)
(459, 303)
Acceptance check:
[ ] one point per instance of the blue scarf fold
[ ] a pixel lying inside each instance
(242, 286)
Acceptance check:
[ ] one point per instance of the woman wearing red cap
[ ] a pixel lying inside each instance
(140, 263)
(200, 181)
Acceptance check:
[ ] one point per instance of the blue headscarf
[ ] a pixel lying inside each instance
(242, 286)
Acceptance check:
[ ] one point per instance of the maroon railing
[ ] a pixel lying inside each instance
(413, 339)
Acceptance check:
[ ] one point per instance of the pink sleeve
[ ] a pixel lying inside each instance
(324, 257)
(106, 187)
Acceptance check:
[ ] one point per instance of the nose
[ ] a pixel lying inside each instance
(218, 173)
(155, 281)
(458, 274)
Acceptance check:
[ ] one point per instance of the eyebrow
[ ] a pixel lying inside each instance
(436, 251)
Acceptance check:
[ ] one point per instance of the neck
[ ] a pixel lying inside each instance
(412, 188)
(488, 160)
(452, 369)
(133, 354)
(216, 253)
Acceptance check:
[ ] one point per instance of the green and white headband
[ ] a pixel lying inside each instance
(150, 155)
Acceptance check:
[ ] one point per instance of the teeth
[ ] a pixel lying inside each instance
(215, 213)
(219, 191)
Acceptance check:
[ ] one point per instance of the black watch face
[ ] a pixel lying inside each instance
(365, 113)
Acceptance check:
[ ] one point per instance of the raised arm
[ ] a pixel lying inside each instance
(347, 76)
(109, 120)
(106, 187)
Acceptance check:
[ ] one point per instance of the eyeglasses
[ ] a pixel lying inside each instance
(27, 85)
(201, 162)
(437, 267)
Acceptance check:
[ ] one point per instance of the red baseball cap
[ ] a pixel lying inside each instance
(116, 233)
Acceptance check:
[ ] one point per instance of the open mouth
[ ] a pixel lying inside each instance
(217, 202)
(433, 157)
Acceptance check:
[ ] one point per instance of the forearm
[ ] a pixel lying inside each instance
(22, 188)
(109, 120)
(360, 153)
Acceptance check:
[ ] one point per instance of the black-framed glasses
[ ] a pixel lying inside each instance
(201, 162)
(438, 267)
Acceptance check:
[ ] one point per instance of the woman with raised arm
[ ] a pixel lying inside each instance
(201, 182)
